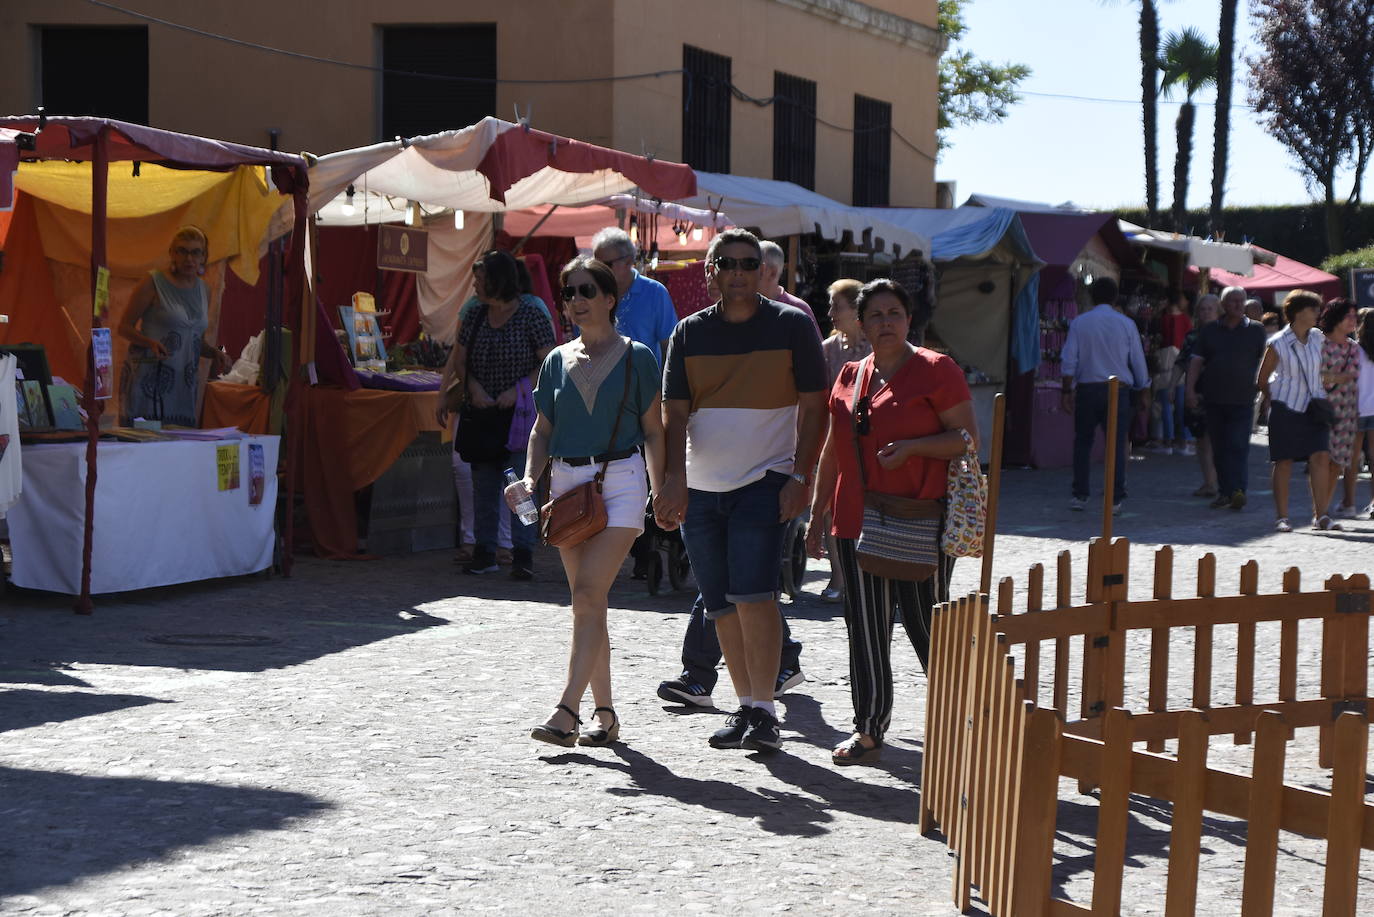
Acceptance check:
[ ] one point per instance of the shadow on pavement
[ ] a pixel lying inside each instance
(60, 828)
(21, 709)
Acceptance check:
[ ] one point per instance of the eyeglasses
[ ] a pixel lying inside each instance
(612, 262)
(189, 252)
(861, 424)
(723, 263)
(585, 290)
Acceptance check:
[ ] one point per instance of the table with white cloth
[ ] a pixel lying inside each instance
(160, 516)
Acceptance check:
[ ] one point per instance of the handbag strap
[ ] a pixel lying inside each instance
(620, 411)
(860, 378)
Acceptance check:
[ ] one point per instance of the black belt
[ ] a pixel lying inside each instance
(603, 457)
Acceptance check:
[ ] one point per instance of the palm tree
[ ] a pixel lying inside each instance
(1191, 61)
(1149, 63)
(1221, 136)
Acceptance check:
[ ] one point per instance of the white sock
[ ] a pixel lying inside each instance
(767, 705)
(746, 702)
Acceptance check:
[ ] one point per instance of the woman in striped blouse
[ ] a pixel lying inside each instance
(1291, 376)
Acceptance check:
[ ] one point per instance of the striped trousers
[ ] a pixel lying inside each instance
(870, 607)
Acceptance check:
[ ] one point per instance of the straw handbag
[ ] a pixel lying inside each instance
(966, 504)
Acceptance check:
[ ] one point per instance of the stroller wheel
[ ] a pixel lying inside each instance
(653, 571)
(679, 567)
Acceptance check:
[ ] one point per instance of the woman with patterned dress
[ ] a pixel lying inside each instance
(1340, 375)
(165, 324)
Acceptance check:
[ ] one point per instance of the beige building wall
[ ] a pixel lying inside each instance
(204, 86)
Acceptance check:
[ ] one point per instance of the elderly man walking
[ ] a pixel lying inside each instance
(1222, 371)
(770, 281)
(1102, 343)
(744, 400)
(645, 312)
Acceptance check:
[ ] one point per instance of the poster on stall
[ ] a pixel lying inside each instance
(257, 474)
(102, 291)
(104, 362)
(227, 462)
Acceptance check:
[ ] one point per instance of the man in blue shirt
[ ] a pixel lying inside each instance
(1102, 343)
(645, 312)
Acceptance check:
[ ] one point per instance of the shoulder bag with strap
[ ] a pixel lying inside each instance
(900, 535)
(580, 513)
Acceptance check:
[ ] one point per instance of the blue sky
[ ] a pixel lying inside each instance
(1056, 150)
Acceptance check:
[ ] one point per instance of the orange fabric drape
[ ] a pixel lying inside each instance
(27, 295)
(230, 405)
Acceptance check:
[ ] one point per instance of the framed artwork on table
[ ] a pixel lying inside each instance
(365, 346)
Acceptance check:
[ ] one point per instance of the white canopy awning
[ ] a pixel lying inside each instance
(1238, 259)
(780, 208)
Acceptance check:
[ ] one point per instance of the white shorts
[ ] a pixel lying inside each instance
(625, 490)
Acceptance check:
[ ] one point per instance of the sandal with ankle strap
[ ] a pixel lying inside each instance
(856, 752)
(598, 736)
(564, 737)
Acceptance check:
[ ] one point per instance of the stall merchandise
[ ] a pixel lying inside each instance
(72, 160)
(191, 521)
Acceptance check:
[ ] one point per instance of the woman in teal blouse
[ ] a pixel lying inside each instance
(582, 390)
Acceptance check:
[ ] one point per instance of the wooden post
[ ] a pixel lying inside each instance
(1109, 465)
(1185, 835)
(1159, 640)
(1202, 645)
(1262, 832)
(1038, 814)
(100, 187)
(1113, 814)
(1245, 650)
(999, 412)
(1346, 822)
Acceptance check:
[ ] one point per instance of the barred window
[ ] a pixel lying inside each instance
(413, 105)
(872, 151)
(705, 110)
(119, 54)
(794, 129)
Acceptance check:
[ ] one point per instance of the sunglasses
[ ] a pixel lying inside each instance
(585, 290)
(861, 424)
(723, 263)
(189, 252)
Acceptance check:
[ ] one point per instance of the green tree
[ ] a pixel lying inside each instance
(1221, 129)
(1149, 102)
(972, 90)
(1188, 60)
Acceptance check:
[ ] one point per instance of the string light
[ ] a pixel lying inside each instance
(634, 229)
(457, 219)
(696, 233)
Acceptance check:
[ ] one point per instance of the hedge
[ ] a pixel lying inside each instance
(1295, 230)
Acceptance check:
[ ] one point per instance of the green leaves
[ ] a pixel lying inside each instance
(972, 90)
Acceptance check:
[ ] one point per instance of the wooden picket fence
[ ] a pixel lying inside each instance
(994, 755)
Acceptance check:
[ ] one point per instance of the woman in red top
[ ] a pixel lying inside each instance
(913, 408)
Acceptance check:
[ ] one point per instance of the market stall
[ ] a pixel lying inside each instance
(96, 228)
(1270, 282)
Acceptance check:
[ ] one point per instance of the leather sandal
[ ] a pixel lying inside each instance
(598, 736)
(566, 738)
(856, 752)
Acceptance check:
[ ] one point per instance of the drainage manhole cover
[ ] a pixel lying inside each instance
(212, 639)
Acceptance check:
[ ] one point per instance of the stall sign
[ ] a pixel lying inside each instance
(227, 463)
(1362, 286)
(104, 362)
(102, 291)
(257, 474)
(402, 248)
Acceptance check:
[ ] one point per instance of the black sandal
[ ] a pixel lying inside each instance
(567, 738)
(856, 752)
(599, 736)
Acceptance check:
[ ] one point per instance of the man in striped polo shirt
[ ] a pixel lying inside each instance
(744, 390)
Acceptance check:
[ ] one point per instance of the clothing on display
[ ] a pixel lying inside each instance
(11, 471)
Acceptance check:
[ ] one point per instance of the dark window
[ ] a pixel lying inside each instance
(794, 130)
(412, 105)
(872, 151)
(705, 110)
(101, 71)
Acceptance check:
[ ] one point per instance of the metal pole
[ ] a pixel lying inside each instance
(999, 413)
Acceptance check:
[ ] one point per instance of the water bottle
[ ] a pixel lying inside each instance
(525, 508)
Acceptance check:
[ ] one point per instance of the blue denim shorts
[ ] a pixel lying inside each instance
(1366, 423)
(734, 541)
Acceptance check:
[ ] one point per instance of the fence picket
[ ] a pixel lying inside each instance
(1262, 834)
(1159, 640)
(1185, 835)
(1039, 811)
(931, 748)
(1347, 816)
(1202, 635)
(1035, 602)
(1063, 599)
(1245, 649)
(1113, 813)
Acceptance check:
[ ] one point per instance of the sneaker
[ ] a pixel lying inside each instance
(1237, 500)
(683, 690)
(1345, 512)
(787, 680)
(1078, 504)
(1188, 449)
(1368, 511)
(1118, 507)
(1282, 524)
(480, 564)
(1219, 502)
(763, 734)
(731, 735)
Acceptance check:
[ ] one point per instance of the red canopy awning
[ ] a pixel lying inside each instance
(1283, 274)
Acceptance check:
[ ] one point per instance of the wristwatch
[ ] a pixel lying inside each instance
(803, 480)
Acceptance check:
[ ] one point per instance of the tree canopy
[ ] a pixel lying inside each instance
(972, 90)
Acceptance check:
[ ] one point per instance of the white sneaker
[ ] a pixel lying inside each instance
(1345, 512)
(1369, 510)
(1188, 449)
(1078, 504)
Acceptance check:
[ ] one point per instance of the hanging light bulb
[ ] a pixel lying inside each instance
(413, 213)
(634, 229)
(696, 233)
(348, 209)
(457, 219)
(653, 256)
(682, 235)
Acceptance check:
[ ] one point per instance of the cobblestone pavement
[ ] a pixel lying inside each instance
(370, 754)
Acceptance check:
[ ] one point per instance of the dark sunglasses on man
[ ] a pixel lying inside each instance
(724, 263)
(585, 290)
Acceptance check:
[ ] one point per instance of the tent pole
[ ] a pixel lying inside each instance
(100, 170)
(298, 284)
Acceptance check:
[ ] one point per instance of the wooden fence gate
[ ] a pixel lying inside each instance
(994, 754)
